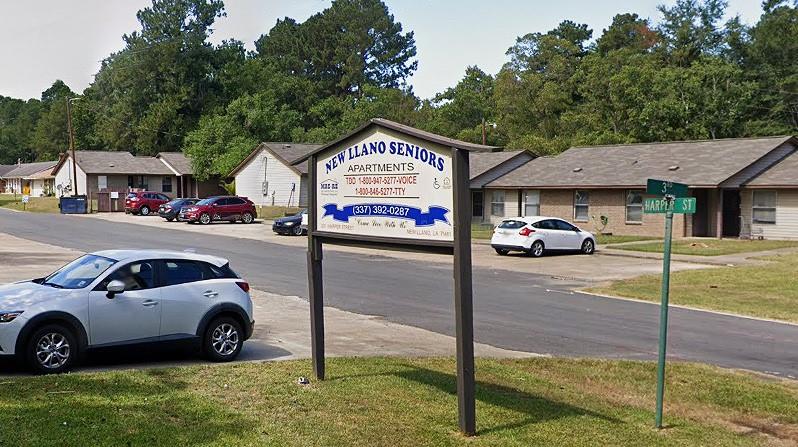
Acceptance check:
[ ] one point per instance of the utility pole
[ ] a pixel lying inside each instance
(484, 133)
(72, 147)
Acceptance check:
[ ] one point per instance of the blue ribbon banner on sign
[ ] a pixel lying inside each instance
(435, 213)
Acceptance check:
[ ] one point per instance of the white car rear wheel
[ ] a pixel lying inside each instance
(588, 247)
(537, 249)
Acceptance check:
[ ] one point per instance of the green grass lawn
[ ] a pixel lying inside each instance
(398, 402)
(618, 239)
(273, 212)
(768, 291)
(710, 247)
(36, 204)
(481, 231)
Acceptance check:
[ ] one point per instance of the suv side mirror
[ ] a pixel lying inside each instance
(114, 287)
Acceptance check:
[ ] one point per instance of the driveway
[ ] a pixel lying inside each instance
(512, 310)
(575, 269)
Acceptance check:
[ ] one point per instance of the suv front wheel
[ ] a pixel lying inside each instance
(52, 349)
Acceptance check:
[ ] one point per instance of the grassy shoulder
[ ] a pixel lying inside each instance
(767, 291)
(274, 212)
(36, 204)
(399, 402)
(710, 247)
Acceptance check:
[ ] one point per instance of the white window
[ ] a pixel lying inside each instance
(634, 206)
(581, 206)
(102, 182)
(531, 202)
(497, 203)
(764, 207)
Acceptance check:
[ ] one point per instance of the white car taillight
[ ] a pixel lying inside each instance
(526, 231)
(244, 285)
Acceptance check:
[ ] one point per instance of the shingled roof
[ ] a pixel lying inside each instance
(482, 162)
(783, 174)
(27, 169)
(177, 161)
(115, 162)
(696, 163)
(6, 168)
(287, 153)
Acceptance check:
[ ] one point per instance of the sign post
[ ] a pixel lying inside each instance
(663, 316)
(389, 186)
(669, 204)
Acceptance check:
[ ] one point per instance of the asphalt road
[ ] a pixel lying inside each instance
(511, 310)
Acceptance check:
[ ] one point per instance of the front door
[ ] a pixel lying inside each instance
(134, 315)
(731, 213)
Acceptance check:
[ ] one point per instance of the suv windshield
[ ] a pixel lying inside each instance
(131, 195)
(79, 273)
(207, 201)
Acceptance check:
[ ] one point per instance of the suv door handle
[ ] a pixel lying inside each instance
(210, 294)
(149, 303)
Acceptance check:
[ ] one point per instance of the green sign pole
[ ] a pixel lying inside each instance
(663, 316)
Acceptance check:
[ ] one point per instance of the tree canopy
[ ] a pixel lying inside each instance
(688, 76)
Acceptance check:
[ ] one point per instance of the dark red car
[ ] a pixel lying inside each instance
(229, 208)
(144, 202)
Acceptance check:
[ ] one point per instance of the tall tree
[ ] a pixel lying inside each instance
(149, 95)
(627, 31)
(692, 28)
(459, 111)
(349, 45)
(51, 136)
(773, 62)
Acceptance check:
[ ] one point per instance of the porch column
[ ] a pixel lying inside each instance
(719, 214)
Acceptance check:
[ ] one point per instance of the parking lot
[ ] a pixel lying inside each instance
(577, 269)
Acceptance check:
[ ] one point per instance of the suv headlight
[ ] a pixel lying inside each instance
(9, 316)
(288, 224)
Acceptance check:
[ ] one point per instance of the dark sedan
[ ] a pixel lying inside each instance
(292, 225)
(170, 211)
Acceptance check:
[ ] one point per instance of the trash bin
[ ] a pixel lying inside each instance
(73, 205)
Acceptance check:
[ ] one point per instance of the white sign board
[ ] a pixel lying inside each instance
(114, 194)
(386, 185)
(25, 199)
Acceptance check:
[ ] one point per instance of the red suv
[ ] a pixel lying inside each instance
(144, 202)
(229, 208)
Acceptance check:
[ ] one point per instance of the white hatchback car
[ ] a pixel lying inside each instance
(535, 235)
(123, 297)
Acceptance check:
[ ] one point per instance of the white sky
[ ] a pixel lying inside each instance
(45, 40)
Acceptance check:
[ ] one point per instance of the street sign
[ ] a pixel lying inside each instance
(681, 205)
(25, 199)
(665, 188)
